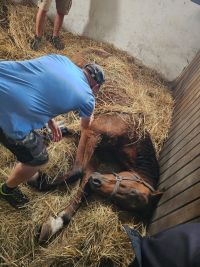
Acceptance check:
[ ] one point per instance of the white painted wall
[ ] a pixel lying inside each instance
(163, 34)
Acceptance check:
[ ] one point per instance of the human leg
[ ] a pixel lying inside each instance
(63, 7)
(58, 21)
(55, 39)
(39, 28)
(31, 154)
(40, 21)
(20, 174)
(43, 7)
(9, 190)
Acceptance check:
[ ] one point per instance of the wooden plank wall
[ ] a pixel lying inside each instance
(180, 157)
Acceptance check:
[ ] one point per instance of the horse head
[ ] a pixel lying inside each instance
(127, 189)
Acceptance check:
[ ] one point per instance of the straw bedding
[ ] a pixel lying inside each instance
(95, 236)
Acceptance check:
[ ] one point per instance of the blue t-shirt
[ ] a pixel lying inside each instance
(34, 91)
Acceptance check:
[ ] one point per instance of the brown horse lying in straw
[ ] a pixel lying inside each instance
(133, 176)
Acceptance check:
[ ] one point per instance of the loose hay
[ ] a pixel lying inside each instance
(95, 236)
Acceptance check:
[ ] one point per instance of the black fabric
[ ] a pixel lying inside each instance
(30, 150)
(175, 247)
(196, 1)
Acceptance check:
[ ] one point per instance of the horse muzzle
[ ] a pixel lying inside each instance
(95, 181)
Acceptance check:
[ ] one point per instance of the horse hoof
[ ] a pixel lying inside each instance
(49, 228)
(40, 181)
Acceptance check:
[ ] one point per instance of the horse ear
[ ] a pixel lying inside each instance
(157, 193)
(155, 197)
(153, 201)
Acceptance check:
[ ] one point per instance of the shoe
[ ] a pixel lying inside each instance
(16, 199)
(35, 43)
(56, 42)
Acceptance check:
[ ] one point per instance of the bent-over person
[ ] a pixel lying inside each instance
(32, 93)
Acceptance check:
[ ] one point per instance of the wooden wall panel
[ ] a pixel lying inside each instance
(180, 157)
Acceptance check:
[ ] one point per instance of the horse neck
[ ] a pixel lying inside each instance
(146, 163)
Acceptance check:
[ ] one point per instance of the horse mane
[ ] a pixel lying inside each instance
(146, 162)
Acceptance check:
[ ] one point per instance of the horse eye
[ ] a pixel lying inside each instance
(122, 185)
(134, 192)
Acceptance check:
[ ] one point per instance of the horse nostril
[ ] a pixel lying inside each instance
(96, 182)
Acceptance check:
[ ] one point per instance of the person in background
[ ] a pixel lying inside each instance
(32, 93)
(63, 7)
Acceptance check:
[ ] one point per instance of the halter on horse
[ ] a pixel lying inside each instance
(134, 178)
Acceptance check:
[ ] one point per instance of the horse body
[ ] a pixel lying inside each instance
(131, 180)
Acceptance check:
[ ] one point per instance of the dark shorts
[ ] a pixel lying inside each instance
(31, 150)
(62, 6)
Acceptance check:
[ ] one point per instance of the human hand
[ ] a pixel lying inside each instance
(55, 130)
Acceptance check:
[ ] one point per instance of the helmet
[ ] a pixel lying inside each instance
(96, 72)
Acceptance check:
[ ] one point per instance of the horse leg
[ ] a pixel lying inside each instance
(84, 153)
(41, 181)
(85, 150)
(86, 147)
(53, 225)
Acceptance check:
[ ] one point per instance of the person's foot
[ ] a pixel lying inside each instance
(15, 198)
(56, 42)
(35, 43)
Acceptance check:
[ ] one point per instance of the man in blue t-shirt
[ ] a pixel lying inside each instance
(32, 93)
